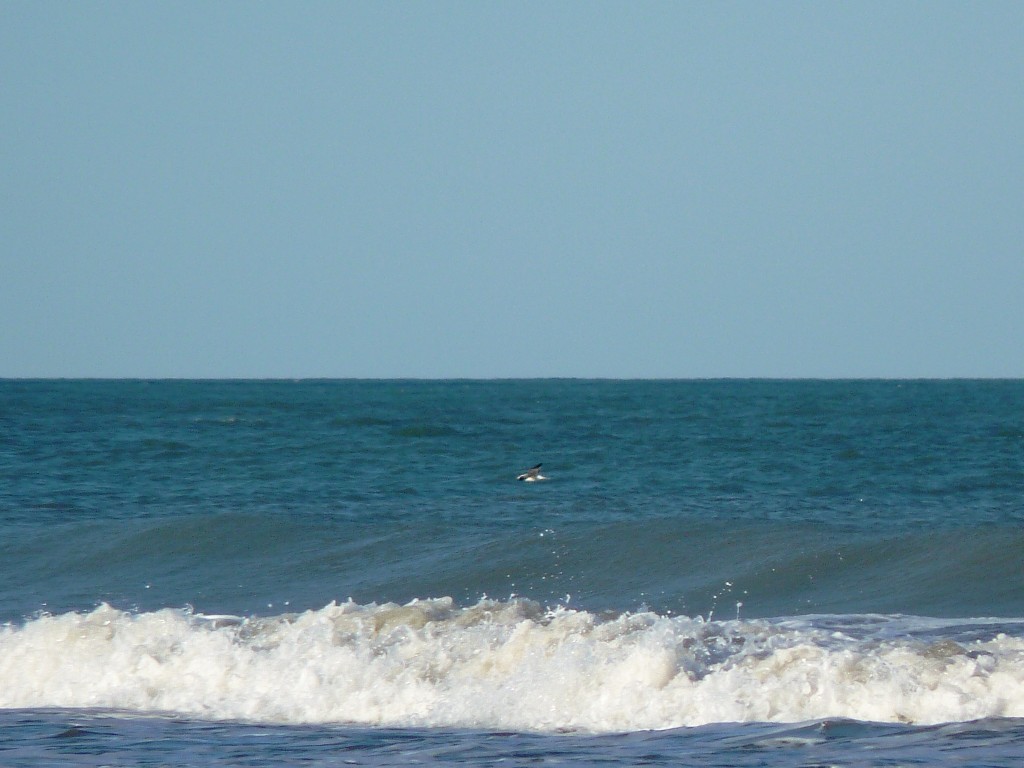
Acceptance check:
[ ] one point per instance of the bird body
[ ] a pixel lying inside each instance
(532, 475)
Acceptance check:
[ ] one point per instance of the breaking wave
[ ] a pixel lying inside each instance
(514, 665)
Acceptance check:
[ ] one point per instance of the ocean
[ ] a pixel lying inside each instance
(326, 573)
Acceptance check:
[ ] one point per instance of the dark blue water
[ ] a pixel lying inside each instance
(776, 572)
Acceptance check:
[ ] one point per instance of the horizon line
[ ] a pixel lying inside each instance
(300, 379)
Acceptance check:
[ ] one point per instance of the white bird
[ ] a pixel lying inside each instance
(532, 475)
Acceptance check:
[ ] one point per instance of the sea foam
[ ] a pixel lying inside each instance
(504, 664)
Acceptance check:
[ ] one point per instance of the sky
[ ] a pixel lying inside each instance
(511, 189)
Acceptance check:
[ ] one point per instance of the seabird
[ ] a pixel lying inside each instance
(532, 474)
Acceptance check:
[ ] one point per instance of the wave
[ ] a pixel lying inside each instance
(241, 562)
(514, 665)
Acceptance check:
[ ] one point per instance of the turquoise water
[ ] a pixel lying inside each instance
(831, 566)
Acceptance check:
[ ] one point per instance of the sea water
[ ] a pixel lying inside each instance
(767, 573)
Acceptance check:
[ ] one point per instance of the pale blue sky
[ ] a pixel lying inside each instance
(449, 189)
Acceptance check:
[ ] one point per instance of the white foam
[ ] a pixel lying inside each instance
(500, 665)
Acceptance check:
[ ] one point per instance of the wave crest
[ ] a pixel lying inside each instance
(514, 665)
